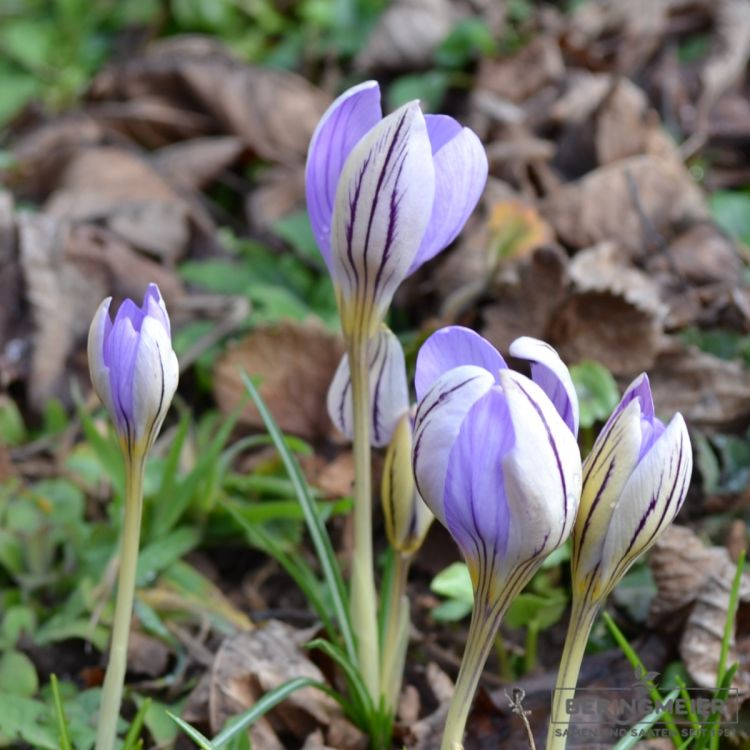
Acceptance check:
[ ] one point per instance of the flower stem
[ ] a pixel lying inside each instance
(363, 595)
(109, 710)
(396, 638)
(485, 620)
(582, 618)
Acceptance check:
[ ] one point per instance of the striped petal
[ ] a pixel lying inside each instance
(550, 373)
(451, 347)
(650, 500)
(101, 326)
(437, 423)
(345, 122)
(605, 472)
(460, 177)
(383, 204)
(155, 375)
(542, 473)
(475, 506)
(389, 391)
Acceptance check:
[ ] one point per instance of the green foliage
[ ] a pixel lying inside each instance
(731, 210)
(720, 342)
(597, 392)
(723, 461)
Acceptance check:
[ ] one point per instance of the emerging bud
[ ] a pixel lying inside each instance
(407, 518)
(634, 483)
(133, 367)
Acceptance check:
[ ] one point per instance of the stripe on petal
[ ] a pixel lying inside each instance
(550, 373)
(542, 472)
(451, 347)
(475, 506)
(389, 392)
(383, 203)
(437, 423)
(651, 498)
(345, 122)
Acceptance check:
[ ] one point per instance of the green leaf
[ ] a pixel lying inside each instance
(160, 554)
(452, 611)
(201, 740)
(27, 720)
(454, 582)
(429, 87)
(18, 674)
(316, 528)
(544, 611)
(12, 427)
(62, 721)
(469, 39)
(296, 230)
(597, 392)
(731, 210)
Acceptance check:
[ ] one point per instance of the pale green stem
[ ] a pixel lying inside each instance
(109, 710)
(485, 620)
(363, 594)
(396, 638)
(582, 618)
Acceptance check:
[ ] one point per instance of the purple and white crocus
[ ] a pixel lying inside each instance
(634, 483)
(495, 453)
(496, 460)
(133, 367)
(384, 195)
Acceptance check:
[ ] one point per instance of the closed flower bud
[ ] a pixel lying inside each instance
(634, 483)
(133, 367)
(407, 518)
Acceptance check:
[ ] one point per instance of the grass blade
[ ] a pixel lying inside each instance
(62, 722)
(638, 731)
(201, 740)
(317, 530)
(132, 740)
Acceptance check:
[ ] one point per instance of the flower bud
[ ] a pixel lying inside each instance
(133, 367)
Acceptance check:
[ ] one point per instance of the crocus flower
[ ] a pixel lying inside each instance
(133, 366)
(386, 194)
(389, 391)
(493, 456)
(634, 483)
(407, 518)
(496, 460)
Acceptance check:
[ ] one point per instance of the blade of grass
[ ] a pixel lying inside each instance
(132, 738)
(639, 730)
(62, 722)
(637, 664)
(202, 741)
(317, 530)
(263, 706)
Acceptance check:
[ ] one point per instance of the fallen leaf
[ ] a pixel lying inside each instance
(406, 35)
(280, 191)
(147, 655)
(249, 664)
(627, 202)
(296, 363)
(711, 393)
(538, 64)
(196, 163)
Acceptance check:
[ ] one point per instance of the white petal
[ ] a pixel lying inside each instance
(154, 379)
(437, 424)
(389, 391)
(542, 472)
(383, 203)
(100, 327)
(550, 373)
(650, 500)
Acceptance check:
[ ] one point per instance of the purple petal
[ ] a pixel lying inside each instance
(460, 177)
(451, 347)
(344, 124)
(441, 129)
(154, 307)
(120, 352)
(383, 204)
(476, 508)
(437, 423)
(549, 372)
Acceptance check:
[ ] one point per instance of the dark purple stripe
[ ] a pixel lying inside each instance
(378, 381)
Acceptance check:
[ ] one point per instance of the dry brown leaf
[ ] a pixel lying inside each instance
(296, 362)
(116, 186)
(681, 565)
(274, 111)
(196, 163)
(147, 655)
(406, 35)
(516, 78)
(280, 192)
(526, 297)
(343, 734)
(710, 392)
(10, 282)
(249, 664)
(626, 202)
